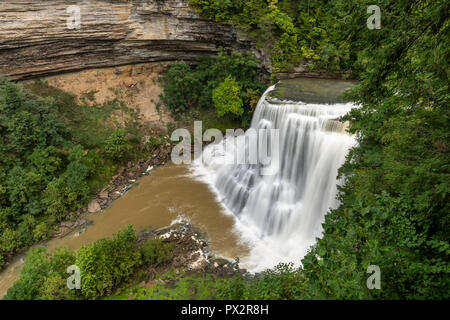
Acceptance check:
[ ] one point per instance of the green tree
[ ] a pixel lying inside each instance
(227, 98)
(116, 145)
(182, 88)
(394, 208)
(39, 274)
(187, 87)
(46, 168)
(107, 262)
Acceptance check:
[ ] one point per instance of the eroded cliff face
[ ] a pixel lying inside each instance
(137, 85)
(36, 41)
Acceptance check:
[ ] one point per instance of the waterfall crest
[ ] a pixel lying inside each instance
(280, 215)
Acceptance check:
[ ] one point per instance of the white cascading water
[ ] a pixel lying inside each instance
(280, 215)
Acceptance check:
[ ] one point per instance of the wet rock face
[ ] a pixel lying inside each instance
(35, 39)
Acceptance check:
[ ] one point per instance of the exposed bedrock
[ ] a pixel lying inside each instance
(36, 41)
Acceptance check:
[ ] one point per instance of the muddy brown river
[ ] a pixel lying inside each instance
(154, 202)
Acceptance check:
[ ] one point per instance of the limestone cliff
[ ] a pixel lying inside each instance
(35, 40)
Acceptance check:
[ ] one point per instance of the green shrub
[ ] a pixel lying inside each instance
(291, 32)
(116, 145)
(182, 88)
(107, 262)
(284, 282)
(34, 282)
(10, 240)
(153, 143)
(59, 197)
(156, 251)
(41, 231)
(227, 98)
(103, 265)
(175, 287)
(55, 288)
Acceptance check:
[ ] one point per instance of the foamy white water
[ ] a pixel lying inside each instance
(280, 215)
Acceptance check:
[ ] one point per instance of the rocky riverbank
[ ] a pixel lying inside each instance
(191, 253)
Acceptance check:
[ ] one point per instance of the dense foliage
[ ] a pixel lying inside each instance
(292, 32)
(107, 262)
(188, 87)
(104, 265)
(394, 210)
(43, 276)
(156, 252)
(54, 153)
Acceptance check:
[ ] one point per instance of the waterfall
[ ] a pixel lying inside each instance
(280, 215)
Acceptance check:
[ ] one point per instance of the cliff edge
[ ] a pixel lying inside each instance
(36, 39)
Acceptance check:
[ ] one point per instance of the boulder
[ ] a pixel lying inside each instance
(94, 206)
